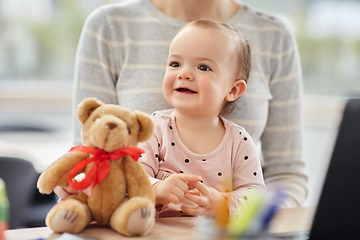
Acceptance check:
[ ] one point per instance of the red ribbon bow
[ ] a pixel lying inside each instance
(101, 166)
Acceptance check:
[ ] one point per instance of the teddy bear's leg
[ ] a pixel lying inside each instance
(134, 217)
(69, 216)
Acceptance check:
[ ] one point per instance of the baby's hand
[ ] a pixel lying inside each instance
(207, 199)
(65, 192)
(174, 188)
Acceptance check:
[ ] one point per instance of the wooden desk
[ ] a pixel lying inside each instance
(286, 220)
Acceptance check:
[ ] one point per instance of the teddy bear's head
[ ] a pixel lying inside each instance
(110, 126)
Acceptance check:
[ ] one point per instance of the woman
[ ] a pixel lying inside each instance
(121, 59)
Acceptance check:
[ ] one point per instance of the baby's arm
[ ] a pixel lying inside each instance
(167, 190)
(170, 189)
(247, 175)
(247, 182)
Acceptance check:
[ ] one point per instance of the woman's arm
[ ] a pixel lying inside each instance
(97, 65)
(282, 138)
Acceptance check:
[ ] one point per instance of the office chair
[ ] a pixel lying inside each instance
(27, 207)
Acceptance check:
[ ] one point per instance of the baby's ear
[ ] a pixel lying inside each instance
(146, 126)
(86, 107)
(238, 88)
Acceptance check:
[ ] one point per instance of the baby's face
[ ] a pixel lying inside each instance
(200, 73)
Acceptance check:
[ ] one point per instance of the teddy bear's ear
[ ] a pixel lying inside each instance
(146, 126)
(86, 107)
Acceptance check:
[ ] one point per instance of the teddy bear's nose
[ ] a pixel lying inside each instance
(111, 125)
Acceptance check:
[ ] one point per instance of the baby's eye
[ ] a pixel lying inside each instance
(128, 130)
(204, 68)
(174, 64)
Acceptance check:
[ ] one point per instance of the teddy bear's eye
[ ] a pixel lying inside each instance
(128, 130)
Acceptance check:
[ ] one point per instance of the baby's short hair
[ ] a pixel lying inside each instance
(243, 58)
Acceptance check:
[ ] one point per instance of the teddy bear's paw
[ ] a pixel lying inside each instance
(139, 221)
(64, 221)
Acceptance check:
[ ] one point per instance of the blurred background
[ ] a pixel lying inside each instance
(38, 42)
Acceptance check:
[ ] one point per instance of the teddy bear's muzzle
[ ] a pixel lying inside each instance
(109, 135)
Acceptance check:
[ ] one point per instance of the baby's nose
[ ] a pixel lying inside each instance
(185, 76)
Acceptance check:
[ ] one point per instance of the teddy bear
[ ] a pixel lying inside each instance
(121, 193)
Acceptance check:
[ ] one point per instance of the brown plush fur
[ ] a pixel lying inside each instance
(124, 193)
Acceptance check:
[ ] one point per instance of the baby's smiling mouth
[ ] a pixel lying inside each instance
(185, 90)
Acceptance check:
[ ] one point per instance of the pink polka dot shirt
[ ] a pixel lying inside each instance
(233, 168)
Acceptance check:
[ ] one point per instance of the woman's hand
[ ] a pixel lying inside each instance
(209, 200)
(174, 188)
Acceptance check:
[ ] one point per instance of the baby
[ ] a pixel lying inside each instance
(196, 159)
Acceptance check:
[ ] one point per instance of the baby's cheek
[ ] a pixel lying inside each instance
(167, 82)
(167, 88)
